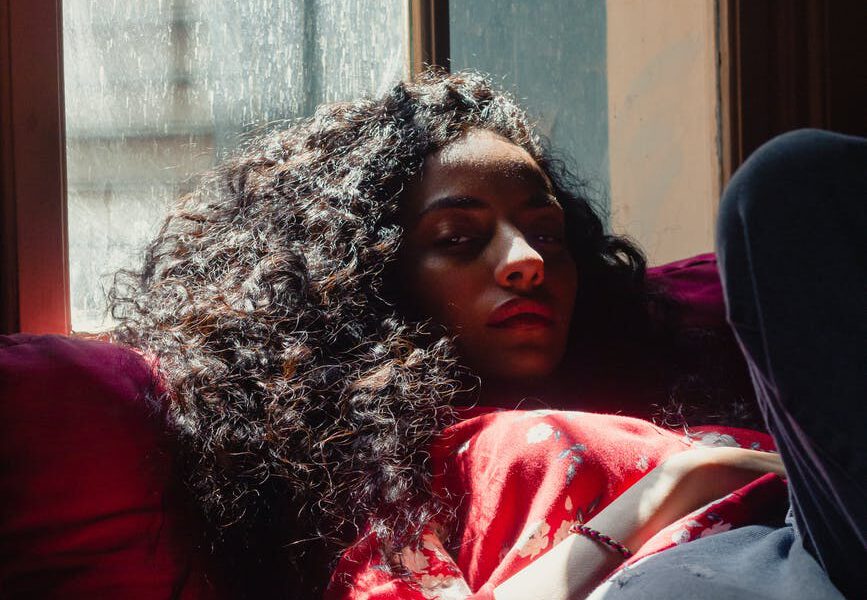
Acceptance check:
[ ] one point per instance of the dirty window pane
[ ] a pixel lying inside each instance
(155, 91)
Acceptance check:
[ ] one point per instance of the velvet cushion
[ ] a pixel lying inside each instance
(696, 283)
(89, 506)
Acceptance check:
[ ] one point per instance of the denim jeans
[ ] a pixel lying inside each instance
(792, 250)
(792, 246)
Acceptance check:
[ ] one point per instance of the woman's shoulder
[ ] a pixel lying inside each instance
(518, 436)
(613, 440)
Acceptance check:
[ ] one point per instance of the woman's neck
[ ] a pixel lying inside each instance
(518, 394)
(562, 393)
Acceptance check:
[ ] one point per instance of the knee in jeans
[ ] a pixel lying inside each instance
(790, 169)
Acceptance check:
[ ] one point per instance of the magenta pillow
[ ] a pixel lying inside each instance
(696, 283)
(90, 505)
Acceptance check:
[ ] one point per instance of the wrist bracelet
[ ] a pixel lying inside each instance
(596, 536)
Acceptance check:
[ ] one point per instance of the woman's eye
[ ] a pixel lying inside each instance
(548, 239)
(456, 240)
(449, 241)
(464, 245)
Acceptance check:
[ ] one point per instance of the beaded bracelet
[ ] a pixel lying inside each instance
(596, 536)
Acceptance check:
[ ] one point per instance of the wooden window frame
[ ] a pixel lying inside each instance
(34, 270)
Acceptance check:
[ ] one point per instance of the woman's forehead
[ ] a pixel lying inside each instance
(479, 168)
(479, 147)
(479, 158)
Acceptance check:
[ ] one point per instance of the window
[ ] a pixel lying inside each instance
(155, 92)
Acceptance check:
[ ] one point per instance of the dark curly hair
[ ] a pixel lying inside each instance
(304, 399)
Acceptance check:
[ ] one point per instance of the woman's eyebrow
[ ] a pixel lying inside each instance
(472, 203)
(464, 202)
(543, 201)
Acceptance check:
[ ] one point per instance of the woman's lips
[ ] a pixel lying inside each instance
(521, 313)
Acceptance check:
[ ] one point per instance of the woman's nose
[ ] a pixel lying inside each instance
(520, 267)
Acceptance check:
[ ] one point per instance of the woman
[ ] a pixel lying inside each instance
(320, 307)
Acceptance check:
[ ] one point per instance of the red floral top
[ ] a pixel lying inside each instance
(520, 479)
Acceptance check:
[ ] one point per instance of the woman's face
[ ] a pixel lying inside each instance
(485, 256)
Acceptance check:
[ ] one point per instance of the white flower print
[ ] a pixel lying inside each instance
(539, 433)
(643, 463)
(716, 528)
(681, 536)
(568, 504)
(444, 587)
(539, 412)
(533, 539)
(414, 560)
(432, 543)
(712, 439)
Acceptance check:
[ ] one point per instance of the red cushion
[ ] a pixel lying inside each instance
(696, 283)
(89, 503)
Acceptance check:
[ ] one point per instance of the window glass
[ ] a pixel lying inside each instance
(156, 91)
(552, 56)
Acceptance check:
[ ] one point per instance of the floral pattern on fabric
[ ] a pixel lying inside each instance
(434, 570)
(520, 479)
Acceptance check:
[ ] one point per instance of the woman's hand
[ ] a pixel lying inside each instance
(681, 484)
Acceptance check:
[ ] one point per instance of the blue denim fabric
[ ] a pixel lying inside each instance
(792, 246)
(792, 250)
(756, 562)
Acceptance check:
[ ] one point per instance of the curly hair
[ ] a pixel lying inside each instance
(304, 399)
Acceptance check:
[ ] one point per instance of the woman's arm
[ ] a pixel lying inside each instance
(682, 484)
